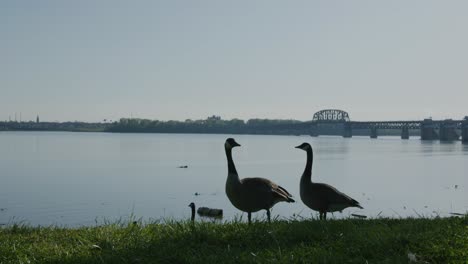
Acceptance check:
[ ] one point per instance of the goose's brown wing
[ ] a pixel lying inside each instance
(333, 196)
(266, 187)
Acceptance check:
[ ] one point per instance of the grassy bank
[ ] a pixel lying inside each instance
(440, 240)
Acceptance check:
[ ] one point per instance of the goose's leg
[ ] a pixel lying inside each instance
(324, 215)
(249, 216)
(268, 215)
(320, 215)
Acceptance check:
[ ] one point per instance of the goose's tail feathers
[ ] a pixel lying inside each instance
(355, 203)
(285, 194)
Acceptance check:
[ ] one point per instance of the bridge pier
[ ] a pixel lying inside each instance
(373, 132)
(428, 130)
(405, 132)
(447, 130)
(347, 130)
(464, 129)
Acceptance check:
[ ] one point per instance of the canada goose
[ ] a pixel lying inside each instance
(251, 194)
(205, 211)
(320, 196)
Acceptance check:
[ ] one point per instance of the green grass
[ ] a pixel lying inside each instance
(439, 240)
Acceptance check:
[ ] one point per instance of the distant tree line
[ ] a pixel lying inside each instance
(211, 125)
(53, 126)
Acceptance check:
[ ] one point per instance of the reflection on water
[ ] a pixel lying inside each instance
(443, 148)
(465, 149)
(78, 178)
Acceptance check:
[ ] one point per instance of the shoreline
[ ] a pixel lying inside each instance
(438, 240)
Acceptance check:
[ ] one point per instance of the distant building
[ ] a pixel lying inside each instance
(213, 118)
(37, 119)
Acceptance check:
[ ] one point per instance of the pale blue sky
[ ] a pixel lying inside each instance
(90, 60)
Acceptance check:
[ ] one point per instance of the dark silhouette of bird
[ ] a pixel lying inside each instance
(251, 194)
(321, 197)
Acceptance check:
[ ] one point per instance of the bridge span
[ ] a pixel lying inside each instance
(338, 122)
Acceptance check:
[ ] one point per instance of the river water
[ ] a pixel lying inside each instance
(75, 179)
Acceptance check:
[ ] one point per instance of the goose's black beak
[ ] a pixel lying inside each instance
(236, 144)
(298, 147)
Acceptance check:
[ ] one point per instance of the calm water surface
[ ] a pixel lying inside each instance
(74, 179)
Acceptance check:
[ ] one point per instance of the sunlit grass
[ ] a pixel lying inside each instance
(439, 240)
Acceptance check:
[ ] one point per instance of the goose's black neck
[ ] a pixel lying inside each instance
(231, 166)
(307, 175)
(193, 213)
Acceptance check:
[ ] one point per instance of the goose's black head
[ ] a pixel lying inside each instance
(192, 205)
(231, 143)
(304, 146)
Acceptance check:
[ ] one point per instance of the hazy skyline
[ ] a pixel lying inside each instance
(95, 60)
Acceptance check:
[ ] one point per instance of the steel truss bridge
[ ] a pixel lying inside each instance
(338, 122)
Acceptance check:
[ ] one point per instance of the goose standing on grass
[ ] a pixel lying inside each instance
(321, 197)
(251, 194)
